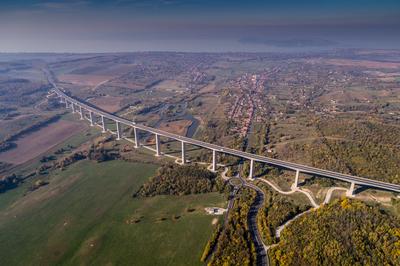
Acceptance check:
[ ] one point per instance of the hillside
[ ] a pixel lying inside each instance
(345, 232)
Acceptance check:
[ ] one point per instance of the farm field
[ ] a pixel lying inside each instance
(8, 127)
(87, 215)
(33, 144)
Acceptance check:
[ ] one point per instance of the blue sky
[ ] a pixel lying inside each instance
(194, 25)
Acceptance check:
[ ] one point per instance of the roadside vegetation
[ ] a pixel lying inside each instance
(234, 245)
(276, 211)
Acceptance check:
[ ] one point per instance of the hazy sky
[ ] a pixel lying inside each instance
(195, 25)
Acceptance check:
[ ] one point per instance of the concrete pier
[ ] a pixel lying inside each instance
(296, 179)
(350, 192)
(91, 118)
(183, 153)
(103, 124)
(81, 112)
(214, 161)
(118, 130)
(158, 153)
(136, 137)
(251, 169)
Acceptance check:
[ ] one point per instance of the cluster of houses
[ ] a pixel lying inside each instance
(248, 99)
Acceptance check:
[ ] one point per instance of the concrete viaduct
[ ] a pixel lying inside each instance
(90, 113)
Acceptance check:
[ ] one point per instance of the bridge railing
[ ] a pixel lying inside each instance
(249, 156)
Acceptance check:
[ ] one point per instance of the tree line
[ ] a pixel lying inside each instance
(174, 179)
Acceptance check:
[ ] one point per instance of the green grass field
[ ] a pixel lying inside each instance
(86, 215)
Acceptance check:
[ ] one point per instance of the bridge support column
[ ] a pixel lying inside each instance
(296, 180)
(136, 138)
(66, 103)
(118, 130)
(157, 145)
(183, 153)
(214, 161)
(91, 118)
(350, 192)
(73, 108)
(251, 169)
(103, 124)
(81, 112)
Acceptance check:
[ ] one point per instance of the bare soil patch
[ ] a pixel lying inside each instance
(89, 80)
(108, 103)
(32, 145)
(179, 127)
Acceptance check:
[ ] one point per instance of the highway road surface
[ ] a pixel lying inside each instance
(262, 255)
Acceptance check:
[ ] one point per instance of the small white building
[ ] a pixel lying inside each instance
(215, 210)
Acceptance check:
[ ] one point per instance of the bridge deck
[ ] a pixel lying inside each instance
(257, 158)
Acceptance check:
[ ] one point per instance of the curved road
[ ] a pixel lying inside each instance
(262, 255)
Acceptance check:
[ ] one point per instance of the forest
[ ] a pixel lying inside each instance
(362, 148)
(174, 179)
(345, 232)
